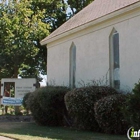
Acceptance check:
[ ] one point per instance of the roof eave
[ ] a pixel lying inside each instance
(91, 23)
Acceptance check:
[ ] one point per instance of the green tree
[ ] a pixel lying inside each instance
(55, 11)
(23, 24)
(78, 5)
(20, 31)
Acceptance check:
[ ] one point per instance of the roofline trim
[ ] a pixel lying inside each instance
(94, 22)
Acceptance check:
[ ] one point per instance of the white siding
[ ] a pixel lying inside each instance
(92, 52)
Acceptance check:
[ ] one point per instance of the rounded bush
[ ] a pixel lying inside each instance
(80, 105)
(25, 98)
(132, 110)
(109, 114)
(136, 89)
(47, 105)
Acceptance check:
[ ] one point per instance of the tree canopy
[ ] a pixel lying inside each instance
(78, 5)
(20, 31)
(23, 23)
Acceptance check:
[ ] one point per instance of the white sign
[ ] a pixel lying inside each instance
(13, 90)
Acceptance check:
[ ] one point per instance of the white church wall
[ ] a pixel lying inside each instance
(92, 52)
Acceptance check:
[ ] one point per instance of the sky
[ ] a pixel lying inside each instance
(5, 0)
(43, 83)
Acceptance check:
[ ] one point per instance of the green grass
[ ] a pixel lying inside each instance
(31, 131)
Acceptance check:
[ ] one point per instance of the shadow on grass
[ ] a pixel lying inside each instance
(57, 133)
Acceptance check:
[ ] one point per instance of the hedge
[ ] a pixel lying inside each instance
(109, 114)
(80, 105)
(47, 105)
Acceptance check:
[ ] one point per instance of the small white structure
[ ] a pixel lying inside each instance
(101, 40)
(13, 90)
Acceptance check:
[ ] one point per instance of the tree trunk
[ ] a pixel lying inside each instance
(15, 75)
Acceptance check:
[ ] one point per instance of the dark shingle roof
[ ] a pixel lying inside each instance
(93, 11)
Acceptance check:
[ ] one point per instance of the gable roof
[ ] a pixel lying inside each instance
(95, 10)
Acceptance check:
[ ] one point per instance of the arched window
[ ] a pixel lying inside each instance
(114, 59)
(72, 66)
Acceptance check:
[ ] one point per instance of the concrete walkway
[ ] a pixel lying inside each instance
(5, 138)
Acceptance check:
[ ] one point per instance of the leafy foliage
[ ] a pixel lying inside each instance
(78, 5)
(80, 105)
(54, 12)
(47, 105)
(132, 110)
(23, 24)
(109, 115)
(25, 99)
(136, 89)
(21, 29)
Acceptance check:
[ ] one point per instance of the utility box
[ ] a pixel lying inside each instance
(13, 90)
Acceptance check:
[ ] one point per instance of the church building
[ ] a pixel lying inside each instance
(102, 41)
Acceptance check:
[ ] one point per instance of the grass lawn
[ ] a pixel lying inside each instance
(31, 131)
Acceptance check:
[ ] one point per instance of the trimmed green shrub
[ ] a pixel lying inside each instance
(136, 89)
(109, 114)
(24, 102)
(47, 105)
(132, 110)
(80, 105)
